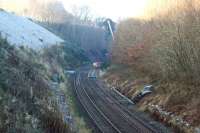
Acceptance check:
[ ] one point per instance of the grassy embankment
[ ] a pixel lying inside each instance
(81, 126)
(26, 100)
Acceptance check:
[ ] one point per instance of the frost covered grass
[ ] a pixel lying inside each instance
(31, 58)
(22, 31)
(26, 102)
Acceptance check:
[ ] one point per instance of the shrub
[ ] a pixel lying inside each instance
(165, 46)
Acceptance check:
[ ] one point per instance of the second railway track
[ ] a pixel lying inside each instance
(107, 115)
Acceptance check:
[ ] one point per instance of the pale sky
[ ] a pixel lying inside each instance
(114, 9)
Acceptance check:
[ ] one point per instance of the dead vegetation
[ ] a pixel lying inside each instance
(168, 43)
(164, 50)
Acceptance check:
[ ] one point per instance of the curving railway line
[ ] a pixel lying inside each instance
(107, 113)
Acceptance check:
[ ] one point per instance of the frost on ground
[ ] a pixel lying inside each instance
(22, 31)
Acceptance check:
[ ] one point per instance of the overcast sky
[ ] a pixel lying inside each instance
(114, 9)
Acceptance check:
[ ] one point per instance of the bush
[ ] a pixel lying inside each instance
(178, 45)
(165, 46)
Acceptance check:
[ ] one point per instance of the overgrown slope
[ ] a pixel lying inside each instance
(163, 51)
(26, 101)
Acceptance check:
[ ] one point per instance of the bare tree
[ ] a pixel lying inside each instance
(83, 13)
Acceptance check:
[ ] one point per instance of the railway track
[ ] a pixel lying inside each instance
(105, 112)
(97, 116)
(136, 121)
(124, 121)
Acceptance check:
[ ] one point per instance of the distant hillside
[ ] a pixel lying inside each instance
(91, 39)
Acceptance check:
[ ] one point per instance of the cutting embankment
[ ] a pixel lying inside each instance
(32, 82)
(162, 51)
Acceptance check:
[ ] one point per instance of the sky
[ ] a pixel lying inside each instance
(114, 9)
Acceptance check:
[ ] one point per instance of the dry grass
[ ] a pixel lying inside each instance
(176, 97)
(79, 121)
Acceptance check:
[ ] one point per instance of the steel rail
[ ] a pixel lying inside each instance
(80, 97)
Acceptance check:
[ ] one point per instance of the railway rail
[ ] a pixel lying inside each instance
(97, 116)
(107, 114)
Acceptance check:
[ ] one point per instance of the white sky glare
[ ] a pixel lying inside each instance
(114, 9)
